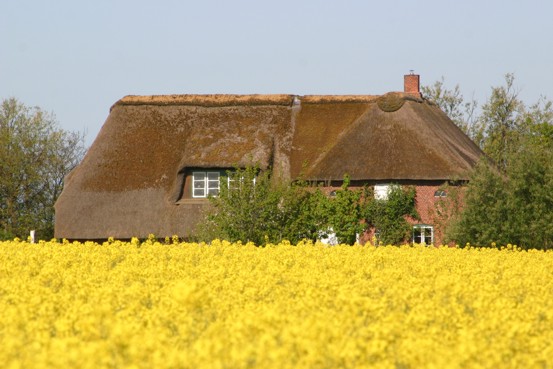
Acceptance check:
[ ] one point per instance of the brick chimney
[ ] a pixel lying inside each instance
(411, 84)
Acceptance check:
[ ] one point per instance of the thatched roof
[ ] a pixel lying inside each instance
(130, 180)
(398, 137)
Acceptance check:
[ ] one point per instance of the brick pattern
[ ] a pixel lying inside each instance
(426, 203)
(426, 207)
(411, 84)
(426, 200)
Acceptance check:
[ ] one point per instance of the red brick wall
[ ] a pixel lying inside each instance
(411, 83)
(426, 205)
(426, 202)
(426, 208)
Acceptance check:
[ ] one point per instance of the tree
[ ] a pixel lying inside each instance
(345, 211)
(484, 214)
(304, 211)
(244, 208)
(514, 207)
(538, 121)
(509, 197)
(254, 206)
(502, 120)
(461, 112)
(35, 156)
(247, 208)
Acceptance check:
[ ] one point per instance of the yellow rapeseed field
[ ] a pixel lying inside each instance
(184, 305)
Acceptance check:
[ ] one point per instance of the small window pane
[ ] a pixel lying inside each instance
(199, 176)
(199, 192)
(213, 176)
(213, 185)
(417, 235)
(233, 184)
(428, 236)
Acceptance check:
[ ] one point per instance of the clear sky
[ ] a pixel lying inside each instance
(76, 58)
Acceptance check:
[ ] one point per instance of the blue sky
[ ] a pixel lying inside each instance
(76, 58)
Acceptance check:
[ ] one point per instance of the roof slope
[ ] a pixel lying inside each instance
(130, 179)
(412, 140)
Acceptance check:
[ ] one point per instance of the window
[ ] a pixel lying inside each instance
(381, 191)
(205, 184)
(235, 183)
(423, 234)
(440, 193)
(328, 237)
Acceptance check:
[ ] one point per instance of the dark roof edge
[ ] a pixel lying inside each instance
(461, 178)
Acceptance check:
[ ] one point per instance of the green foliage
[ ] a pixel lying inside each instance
(447, 209)
(245, 211)
(35, 156)
(514, 207)
(388, 216)
(530, 201)
(502, 118)
(512, 202)
(261, 209)
(509, 197)
(482, 220)
(345, 211)
(304, 212)
(538, 124)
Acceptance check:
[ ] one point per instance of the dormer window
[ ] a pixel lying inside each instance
(201, 183)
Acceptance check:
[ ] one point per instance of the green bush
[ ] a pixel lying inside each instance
(259, 208)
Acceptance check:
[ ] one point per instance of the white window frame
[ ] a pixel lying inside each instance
(205, 183)
(203, 186)
(236, 183)
(424, 236)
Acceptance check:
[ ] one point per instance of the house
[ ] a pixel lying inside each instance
(157, 158)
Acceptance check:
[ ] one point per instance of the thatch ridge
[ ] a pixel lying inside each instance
(220, 100)
(211, 100)
(333, 99)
